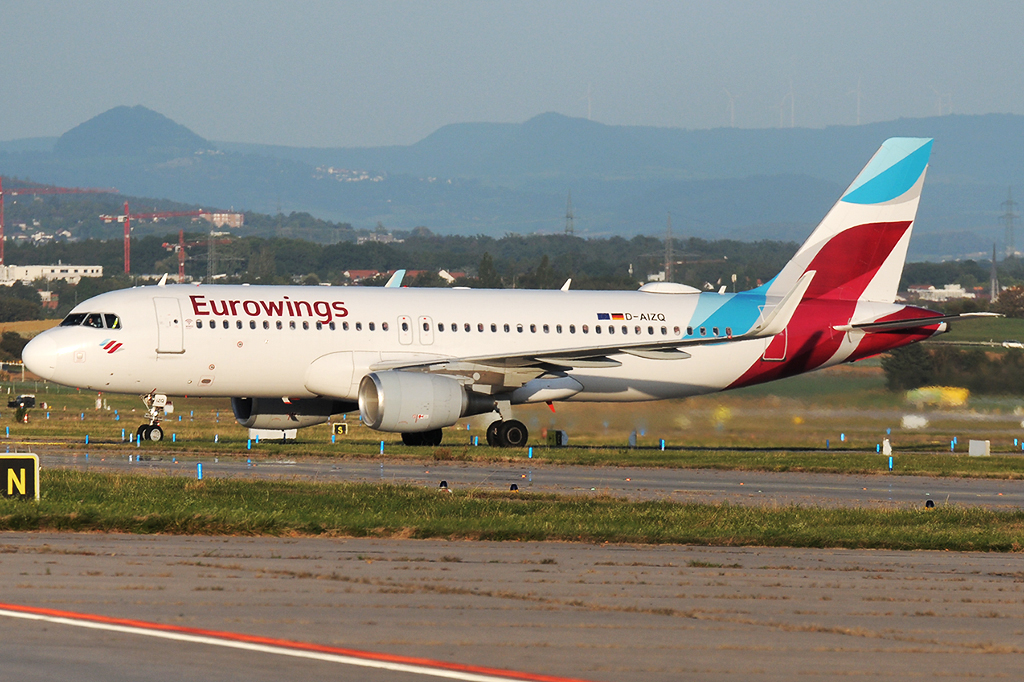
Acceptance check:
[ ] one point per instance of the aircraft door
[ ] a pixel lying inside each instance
(169, 329)
(426, 330)
(404, 330)
(775, 347)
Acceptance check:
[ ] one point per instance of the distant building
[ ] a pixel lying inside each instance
(26, 274)
(948, 292)
(229, 220)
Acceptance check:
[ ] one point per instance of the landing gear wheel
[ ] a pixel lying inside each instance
(492, 433)
(155, 433)
(412, 438)
(140, 433)
(432, 437)
(512, 434)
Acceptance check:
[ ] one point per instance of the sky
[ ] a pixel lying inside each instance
(342, 74)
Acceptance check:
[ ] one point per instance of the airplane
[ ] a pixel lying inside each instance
(415, 361)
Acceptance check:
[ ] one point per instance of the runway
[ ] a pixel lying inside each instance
(681, 485)
(568, 610)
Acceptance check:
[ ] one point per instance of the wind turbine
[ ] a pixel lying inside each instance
(732, 108)
(859, 94)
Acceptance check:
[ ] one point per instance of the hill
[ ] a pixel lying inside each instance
(496, 178)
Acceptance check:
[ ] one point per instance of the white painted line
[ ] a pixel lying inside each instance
(294, 649)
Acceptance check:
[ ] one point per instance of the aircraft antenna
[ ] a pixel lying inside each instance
(569, 228)
(1008, 219)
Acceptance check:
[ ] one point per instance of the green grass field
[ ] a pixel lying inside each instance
(77, 501)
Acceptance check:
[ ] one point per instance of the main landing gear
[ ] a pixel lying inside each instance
(423, 438)
(155, 411)
(509, 433)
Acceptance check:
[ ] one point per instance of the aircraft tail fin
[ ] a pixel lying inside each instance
(859, 248)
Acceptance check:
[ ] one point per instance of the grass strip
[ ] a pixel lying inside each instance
(85, 501)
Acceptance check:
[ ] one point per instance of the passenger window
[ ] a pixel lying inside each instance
(703, 331)
(728, 331)
(440, 326)
(373, 327)
(506, 327)
(650, 330)
(252, 324)
(332, 326)
(305, 325)
(280, 325)
(480, 326)
(199, 324)
(585, 329)
(73, 320)
(405, 326)
(547, 330)
(291, 324)
(344, 326)
(714, 331)
(319, 325)
(94, 320)
(466, 327)
(494, 327)
(597, 329)
(533, 329)
(664, 331)
(625, 329)
(238, 324)
(426, 327)
(112, 321)
(675, 330)
(455, 327)
(519, 328)
(224, 324)
(689, 331)
(359, 326)
(636, 330)
(266, 324)
(558, 328)
(572, 329)
(384, 326)
(611, 329)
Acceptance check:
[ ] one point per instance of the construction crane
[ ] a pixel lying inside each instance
(128, 217)
(40, 189)
(180, 247)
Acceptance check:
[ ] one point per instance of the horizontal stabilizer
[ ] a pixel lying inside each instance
(912, 323)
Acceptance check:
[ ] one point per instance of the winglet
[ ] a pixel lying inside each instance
(780, 316)
(565, 287)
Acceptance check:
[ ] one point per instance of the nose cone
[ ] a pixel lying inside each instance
(40, 356)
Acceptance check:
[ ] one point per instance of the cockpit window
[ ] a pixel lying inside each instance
(92, 320)
(73, 320)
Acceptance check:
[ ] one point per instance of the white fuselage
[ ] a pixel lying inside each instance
(262, 341)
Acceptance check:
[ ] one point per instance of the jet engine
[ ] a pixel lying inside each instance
(275, 413)
(411, 402)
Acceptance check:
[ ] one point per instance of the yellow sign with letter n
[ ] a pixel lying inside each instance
(19, 476)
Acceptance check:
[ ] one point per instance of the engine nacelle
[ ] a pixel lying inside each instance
(411, 402)
(274, 413)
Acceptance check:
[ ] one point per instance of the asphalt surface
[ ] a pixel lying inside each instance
(683, 485)
(583, 611)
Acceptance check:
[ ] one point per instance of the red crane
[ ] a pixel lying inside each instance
(127, 219)
(40, 189)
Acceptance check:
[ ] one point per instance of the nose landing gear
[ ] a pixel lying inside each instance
(156, 410)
